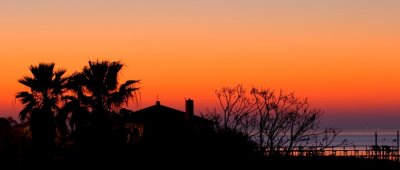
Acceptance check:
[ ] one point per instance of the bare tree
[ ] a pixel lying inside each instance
(303, 123)
(237, 109)
(327, 137)
(276, 120)
(283, 120)
(263, 113)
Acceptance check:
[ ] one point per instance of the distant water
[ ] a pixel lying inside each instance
(366, 137)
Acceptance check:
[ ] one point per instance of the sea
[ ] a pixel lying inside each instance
(366, 137)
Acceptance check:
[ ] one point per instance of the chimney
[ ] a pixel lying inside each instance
(189, 108)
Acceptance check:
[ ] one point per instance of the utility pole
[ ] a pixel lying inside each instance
(398, 149)
(397, 140)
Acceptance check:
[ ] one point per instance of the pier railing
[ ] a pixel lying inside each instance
(366, 152)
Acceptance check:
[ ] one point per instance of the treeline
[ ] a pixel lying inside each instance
(79, 117)
(79, 108)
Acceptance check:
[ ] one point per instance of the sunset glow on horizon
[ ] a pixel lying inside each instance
(343, 55)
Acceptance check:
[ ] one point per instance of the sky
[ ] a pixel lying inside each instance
(343, 55)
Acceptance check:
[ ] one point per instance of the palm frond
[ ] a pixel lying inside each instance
(126, 91)
(96, 77)
(43, 74)
(26, 111)
(25, 97)
(59, 82)
(112, 75)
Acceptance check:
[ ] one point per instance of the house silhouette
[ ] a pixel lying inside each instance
(161, 123)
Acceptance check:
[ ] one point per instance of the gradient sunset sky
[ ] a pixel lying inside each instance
(344, 55)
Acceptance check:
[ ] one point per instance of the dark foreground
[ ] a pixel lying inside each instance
(300, 163)
(329, 163)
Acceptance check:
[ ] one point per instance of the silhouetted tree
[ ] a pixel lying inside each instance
(284, 119)
(77, 115)
(237, 109)
(276, 120)
(41, 104)
(327, 137)
(96, 95)
(97, 89)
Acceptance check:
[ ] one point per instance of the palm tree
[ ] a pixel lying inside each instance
(96, 96)
(97, 91)
(41, 103)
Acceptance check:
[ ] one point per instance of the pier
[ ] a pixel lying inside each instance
(375, 151)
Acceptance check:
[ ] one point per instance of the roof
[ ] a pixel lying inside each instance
(161, 113)
(158, 112)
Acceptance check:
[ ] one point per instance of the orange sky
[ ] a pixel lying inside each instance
(343, 54)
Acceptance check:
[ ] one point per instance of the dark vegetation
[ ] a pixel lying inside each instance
(277, 121)
(79, 119)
